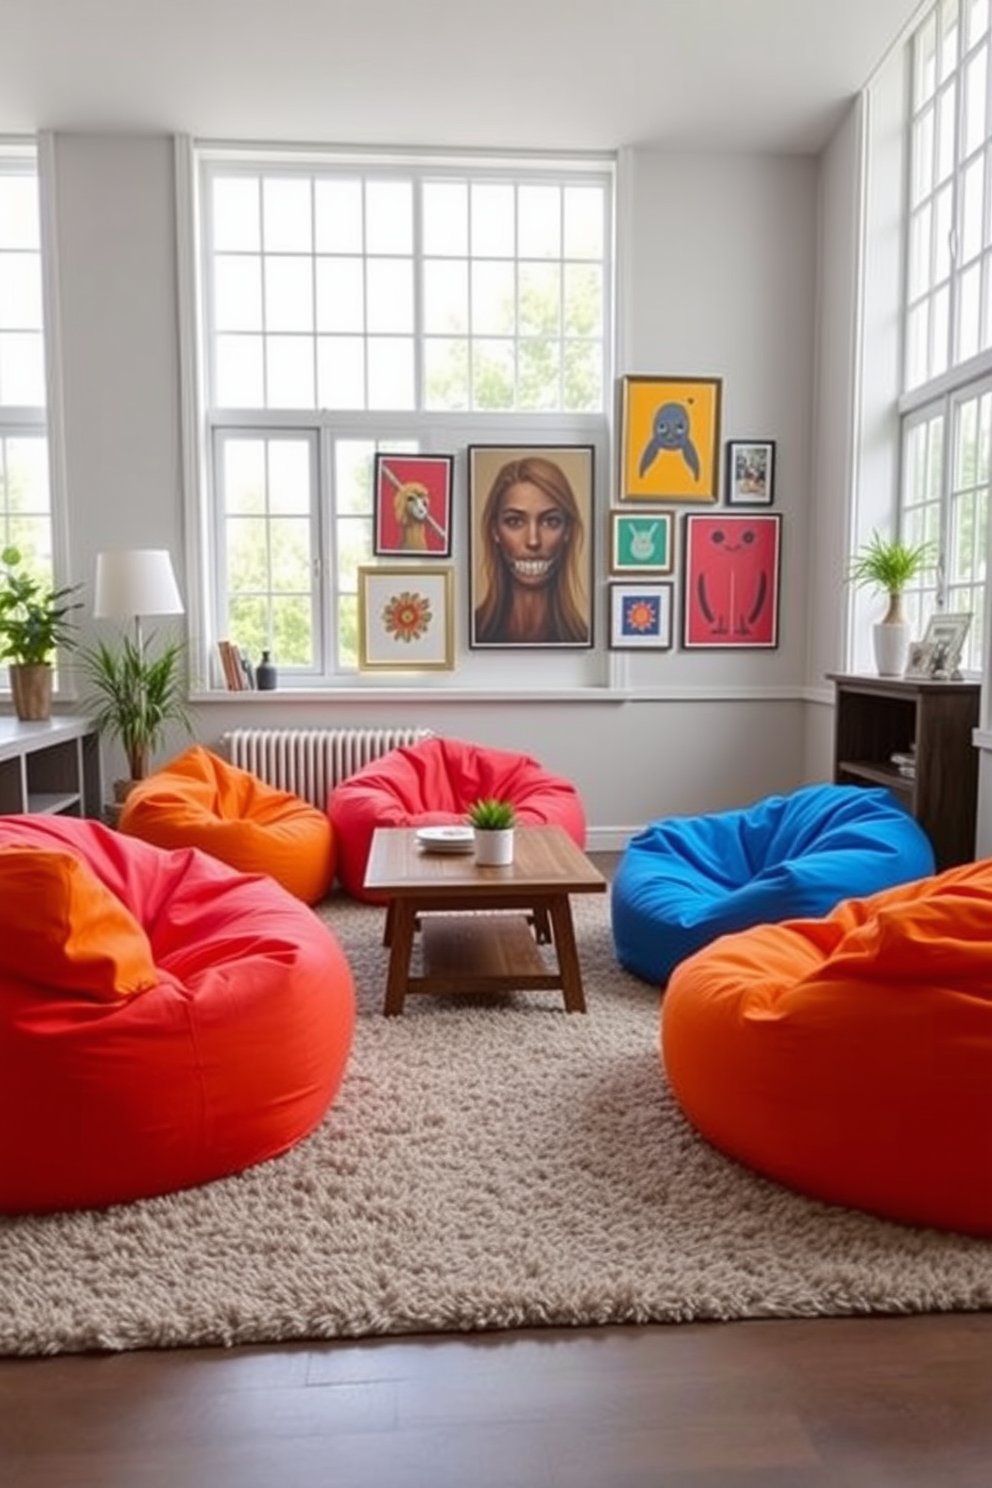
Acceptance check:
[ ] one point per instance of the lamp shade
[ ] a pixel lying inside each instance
(138, 581)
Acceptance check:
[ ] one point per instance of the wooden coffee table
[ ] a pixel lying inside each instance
(466, 948)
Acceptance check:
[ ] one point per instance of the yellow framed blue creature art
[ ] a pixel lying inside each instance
(670, 438)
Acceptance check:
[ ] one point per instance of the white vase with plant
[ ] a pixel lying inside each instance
(493, 821)
(888, 564)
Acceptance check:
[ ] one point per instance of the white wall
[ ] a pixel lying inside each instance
(718, 278)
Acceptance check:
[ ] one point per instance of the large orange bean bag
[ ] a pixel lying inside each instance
(200, 800)
(164, 1020)
(851, 1057)
(433, 784)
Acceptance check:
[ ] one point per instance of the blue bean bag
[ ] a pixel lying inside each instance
(683, 881)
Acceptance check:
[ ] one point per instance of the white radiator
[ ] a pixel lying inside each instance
(310, 762)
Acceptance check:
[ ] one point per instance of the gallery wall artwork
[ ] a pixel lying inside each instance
(405, 618)
(669, 438)
(731, 566)
(530, 545)
(413, 505)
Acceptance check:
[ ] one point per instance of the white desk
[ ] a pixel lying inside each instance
(52, 767)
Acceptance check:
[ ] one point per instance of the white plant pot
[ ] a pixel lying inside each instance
(891, 641)
(494, 849)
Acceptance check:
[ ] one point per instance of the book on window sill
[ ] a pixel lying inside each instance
(231, 667)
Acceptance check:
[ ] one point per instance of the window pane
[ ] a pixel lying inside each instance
(922, 148)
(445, 296)
(390, 294)
(925, 61)
(539, 374)
(969, 313)
(946, 105)
(289, 476)
(22, 368)
(539, 230)
(287, 209)
(236, 224)
(976, 20)
(939, 349)
(20, 291)
(353, 460)
(20, 218)
(338, 211)
(238, 376)
(493, 293)
(237, 292)
(975, 84)
(972, 209)
(243, 481)
(288, 294)
(493, 221)
(25, 464)
(446, 364)
(445, 209)
(583, 304)
(389, 217)
(391, 372)
(540, 299)
(340, 294)
(493, 374)
(584, 222)
(341, 371)
(583, 376)
(289, 371)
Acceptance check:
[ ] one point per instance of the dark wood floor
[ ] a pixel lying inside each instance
(826, 1403)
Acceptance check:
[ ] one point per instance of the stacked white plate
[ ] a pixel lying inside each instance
(446, 839)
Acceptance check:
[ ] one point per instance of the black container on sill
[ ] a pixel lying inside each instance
(266, 676)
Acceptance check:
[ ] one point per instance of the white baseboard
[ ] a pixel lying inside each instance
(609, 839)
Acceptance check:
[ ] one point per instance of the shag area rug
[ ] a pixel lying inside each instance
(486, 1165)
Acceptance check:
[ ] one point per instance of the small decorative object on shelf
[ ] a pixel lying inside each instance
(493, 821)
(266, 676)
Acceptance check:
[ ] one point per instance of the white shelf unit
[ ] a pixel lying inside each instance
(50, 768)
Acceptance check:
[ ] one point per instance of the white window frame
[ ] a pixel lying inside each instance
(34, 157)
(941, 293)
(430, 430)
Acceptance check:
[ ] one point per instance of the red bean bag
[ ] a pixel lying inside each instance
(433, 784)
(164, 1020)
(201, 800)
(851, 1057)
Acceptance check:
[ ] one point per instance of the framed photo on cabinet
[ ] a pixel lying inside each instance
(730, 591)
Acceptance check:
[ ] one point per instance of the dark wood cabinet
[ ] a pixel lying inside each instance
(877, 717)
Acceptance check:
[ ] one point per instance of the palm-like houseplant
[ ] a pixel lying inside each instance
(137, 695)
(35, 620)
(889, 564)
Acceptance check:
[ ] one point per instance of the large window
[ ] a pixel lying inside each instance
(947, 370)
(25, 494)
(349, 307)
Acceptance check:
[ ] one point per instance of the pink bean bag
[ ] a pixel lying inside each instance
(164, 1019)
(433, 784)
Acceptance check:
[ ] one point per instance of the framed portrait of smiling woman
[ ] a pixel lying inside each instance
(530, 545)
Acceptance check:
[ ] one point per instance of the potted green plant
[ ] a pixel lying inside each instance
(493, 820)
(35, 620)
(135, 696)
(888, 565)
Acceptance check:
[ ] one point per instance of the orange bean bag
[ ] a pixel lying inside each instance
(851, 1057)
(164, 1020)
(200, 800)
(433, 784)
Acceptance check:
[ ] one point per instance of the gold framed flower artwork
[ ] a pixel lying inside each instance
(405, 619)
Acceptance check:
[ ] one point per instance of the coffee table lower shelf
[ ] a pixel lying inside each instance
(481, 953)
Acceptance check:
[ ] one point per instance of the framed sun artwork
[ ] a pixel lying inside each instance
(640, 617)
(405, 619)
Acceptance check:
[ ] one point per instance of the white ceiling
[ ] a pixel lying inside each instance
(546, 74)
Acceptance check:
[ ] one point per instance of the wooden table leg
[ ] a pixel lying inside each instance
(402, 923)
(568, 956)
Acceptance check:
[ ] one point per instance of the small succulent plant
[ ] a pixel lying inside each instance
(491, 815)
